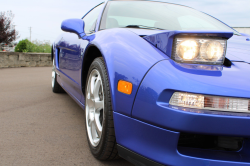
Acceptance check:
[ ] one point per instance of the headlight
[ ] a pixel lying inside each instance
(199, 50)
(188, 49)
(218, 103)
(211, 51)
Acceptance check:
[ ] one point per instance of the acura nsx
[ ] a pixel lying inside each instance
(160, 83)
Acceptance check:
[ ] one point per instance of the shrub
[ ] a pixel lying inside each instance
(40, 46)
(37, 46)
(23, 45)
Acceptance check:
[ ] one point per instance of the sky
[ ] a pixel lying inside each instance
(45, 16)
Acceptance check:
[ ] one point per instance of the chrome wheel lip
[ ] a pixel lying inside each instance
(53, 74)
(94, 112)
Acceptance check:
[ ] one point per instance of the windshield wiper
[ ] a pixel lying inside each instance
(143, 27)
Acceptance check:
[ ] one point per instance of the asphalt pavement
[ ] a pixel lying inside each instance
(38, 127)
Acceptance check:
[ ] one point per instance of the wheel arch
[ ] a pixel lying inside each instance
(52, 53)
(91, 53)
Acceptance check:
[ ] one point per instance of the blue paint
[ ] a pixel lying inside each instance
(144, 121)
(152, 101)
(160, 145)
(245, 34)
(74, 26)
(238, 49)
(126, 61)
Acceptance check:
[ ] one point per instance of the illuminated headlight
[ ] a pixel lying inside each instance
(188, 49)
(199, 50)
(210, 102)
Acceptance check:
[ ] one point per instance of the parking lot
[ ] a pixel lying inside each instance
(38, 127)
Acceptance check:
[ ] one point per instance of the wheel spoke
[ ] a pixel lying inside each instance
(90, 102)
(89, 119)
(99, 105)
(91, 87)
(93, 131)
(98, 127)
(97, 87)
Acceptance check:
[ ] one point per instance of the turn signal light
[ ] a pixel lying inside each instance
(218, 103)
(125, 87)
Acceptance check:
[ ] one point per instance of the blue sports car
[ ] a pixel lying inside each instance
(160, 83)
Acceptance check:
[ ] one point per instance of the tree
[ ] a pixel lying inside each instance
(8, 33)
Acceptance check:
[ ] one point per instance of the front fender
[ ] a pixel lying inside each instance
(128, 57)
(152, 101)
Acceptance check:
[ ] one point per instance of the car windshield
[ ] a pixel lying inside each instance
(158, 15)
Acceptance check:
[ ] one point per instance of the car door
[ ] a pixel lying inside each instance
(71, 51)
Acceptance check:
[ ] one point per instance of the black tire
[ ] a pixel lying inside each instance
(106, 149)
(56, 88)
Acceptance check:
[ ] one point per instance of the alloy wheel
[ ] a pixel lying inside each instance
(53, 74)
(94, 107)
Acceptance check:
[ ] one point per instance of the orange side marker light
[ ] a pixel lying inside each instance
(125, 87)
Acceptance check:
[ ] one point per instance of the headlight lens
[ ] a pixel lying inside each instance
(199, 50)
(188, 49)
(211, 51)
(218, 103)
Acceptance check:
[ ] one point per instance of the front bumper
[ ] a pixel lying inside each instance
(135, 158)
(160, 146)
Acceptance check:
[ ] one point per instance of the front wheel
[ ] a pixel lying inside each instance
(99, 113)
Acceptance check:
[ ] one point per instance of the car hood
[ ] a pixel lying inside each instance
(238, 48)
(144, 32)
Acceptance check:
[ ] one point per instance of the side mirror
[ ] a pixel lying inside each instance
(74, 26)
